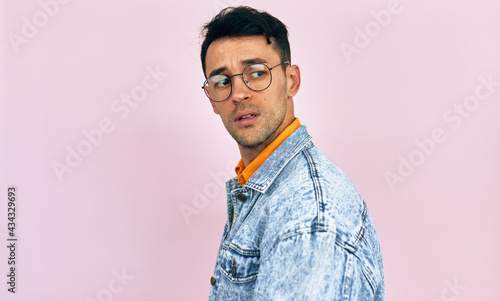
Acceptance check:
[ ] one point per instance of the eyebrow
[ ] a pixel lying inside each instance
(244, 62)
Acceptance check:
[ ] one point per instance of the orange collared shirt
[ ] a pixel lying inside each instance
(244, 173)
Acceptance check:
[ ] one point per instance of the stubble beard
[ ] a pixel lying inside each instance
(251, 137)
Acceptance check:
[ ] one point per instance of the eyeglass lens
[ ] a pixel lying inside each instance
(256, 77)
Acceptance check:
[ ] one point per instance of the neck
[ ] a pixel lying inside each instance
(248, 154)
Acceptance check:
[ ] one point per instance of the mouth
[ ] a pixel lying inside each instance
(246, 117)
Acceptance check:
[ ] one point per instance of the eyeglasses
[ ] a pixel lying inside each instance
(257, 77)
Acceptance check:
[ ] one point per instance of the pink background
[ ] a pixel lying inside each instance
(119, 209)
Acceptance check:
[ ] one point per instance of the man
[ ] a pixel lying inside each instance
(297, 229)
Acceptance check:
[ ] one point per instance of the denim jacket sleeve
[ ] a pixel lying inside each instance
(308, 266)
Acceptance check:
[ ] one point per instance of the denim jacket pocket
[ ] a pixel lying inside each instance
(239, 265)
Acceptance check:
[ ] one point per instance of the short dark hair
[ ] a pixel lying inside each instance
(245, 21)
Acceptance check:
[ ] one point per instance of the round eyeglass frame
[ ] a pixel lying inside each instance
(205, 83)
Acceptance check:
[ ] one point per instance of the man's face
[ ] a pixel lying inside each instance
(265, 113)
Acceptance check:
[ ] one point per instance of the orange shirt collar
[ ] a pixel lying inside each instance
(244, 173)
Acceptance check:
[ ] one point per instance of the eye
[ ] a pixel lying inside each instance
(220, 81)
(257, 74)
(256, 71)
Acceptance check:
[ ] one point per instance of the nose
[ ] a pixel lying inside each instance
(240, 91)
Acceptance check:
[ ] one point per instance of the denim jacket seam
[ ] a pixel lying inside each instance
(303, 230)
(318, 191)
(361, 232)
(360, 237)
(367, 274)
(346, 287)
(241, 251)
(233, 279)
(343, 243)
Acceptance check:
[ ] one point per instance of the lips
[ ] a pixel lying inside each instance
(246, 117)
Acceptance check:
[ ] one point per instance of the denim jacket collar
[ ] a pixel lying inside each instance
(263, 177)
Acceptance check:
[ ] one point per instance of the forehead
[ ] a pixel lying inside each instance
(230, 53)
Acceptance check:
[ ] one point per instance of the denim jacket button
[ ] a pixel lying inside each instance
(212, 280)
(241, 197)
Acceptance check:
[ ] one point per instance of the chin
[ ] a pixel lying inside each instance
(248, 142)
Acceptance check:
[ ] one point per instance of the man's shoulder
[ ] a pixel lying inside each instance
(312, 189)
(313, 170)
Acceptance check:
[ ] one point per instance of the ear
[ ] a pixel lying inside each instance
(293, 80)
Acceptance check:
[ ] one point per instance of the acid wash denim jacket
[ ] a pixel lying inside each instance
(301, 231)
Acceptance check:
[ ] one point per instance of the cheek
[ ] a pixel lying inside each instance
(219, 108)
(223, 112)
(276, 95)
(279, 87)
